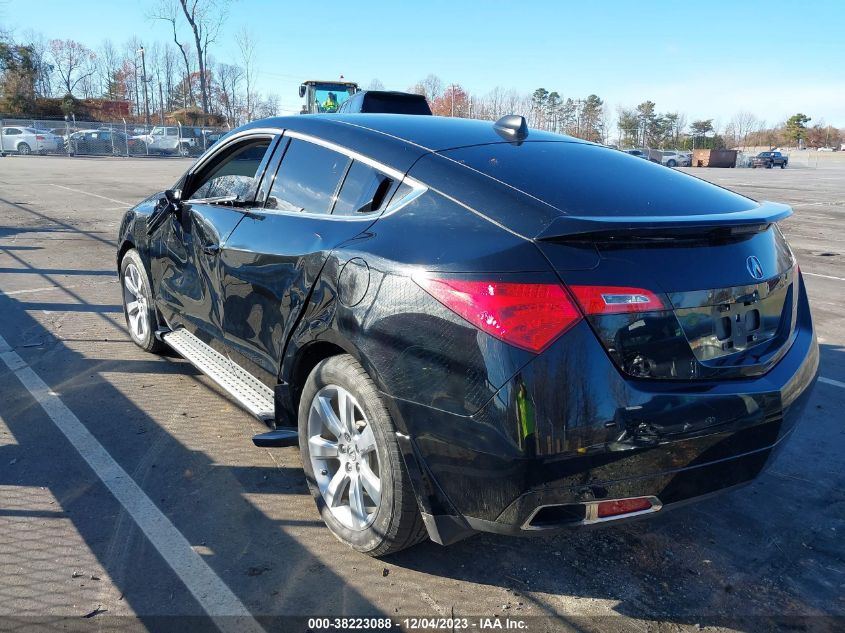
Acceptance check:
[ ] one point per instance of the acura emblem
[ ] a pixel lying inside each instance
(754, 267)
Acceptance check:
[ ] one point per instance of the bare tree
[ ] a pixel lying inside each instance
(108, 68)
(742, 125)
(73, 61)
(205, 19)
(270, 106)
(431, 87)
(228, 77)
(246, 43)
(43, 68)
(167, 11)
(375, 84)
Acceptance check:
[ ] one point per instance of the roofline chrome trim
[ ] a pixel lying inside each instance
(236, 136)
(417, 188)
(351, 153)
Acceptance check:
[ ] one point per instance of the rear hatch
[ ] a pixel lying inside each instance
(691, 281)
(688, 303)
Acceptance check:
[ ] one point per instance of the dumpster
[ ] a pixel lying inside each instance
(714, 158)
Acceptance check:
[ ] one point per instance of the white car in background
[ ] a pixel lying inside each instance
(672, 158)
(171, 140)
(26, 140)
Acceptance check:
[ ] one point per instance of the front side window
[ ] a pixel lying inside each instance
(234, 175)
(364, 190)
(11, 131)
(307, 178)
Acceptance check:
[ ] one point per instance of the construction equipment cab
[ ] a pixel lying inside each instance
(325, 96)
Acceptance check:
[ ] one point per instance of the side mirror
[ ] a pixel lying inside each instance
(172, 201)
(301, 91)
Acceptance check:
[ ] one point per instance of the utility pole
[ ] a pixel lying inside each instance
(137, 99)
(160, 103)
(144, 79)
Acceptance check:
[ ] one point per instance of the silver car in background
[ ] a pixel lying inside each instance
(26, 140)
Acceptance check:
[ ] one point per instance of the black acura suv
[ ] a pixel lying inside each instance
(468, 326)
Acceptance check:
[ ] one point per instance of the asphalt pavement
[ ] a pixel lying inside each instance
(129, 485)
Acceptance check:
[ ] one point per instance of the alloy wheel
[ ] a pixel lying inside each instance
(344, 457)
(136, 302)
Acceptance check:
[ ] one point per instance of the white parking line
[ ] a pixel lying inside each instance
(96, 195)
(208, 589)
(823, 276)
(831, 381)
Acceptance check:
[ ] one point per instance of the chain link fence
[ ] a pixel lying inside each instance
(95, 138)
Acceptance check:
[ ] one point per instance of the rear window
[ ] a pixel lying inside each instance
(589, 180)
(395, 104)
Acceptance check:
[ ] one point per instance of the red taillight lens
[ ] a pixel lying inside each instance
(622, 506)
(616, 299)
(526, 315)
(38, 137)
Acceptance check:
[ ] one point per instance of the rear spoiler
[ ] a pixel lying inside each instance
(579, 227)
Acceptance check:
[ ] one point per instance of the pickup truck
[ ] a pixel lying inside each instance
(172, 140)
(769, 160)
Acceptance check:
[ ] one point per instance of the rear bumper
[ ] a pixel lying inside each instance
(492, 471)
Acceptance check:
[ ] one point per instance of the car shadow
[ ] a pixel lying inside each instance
(770, 548)
(767, 550)
(215, 502)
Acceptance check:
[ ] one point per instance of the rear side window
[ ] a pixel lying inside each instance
(364, 190)
(307, 179)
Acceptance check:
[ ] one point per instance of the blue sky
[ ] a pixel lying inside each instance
(709, 59)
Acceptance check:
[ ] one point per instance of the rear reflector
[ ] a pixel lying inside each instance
(622, 506)
(616, 299)
(526, 315)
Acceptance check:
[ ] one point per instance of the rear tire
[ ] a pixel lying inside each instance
(671, 163)
(783, 165)
(24, 149)
(138, 304)
(346, 458)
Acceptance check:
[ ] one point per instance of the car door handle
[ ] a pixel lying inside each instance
(211, 249)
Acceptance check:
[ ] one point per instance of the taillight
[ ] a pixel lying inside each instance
(616, 299)
(38, 137)
(527, 315)
(619, 507)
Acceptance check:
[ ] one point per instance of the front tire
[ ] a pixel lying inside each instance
(138, 304)
(352, 462)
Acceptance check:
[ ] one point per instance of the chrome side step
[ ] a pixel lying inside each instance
(249, 392)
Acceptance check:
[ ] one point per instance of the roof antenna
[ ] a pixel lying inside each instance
(512, 127)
